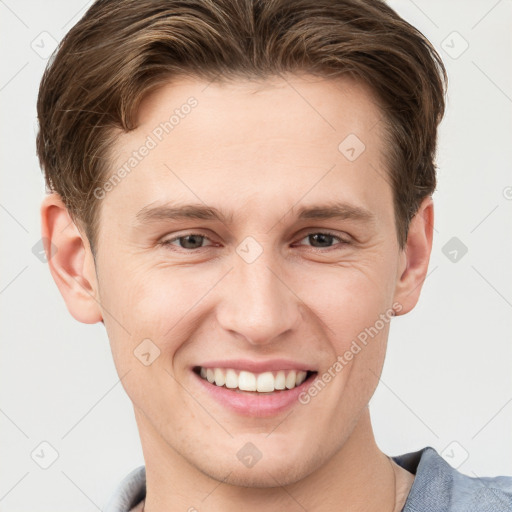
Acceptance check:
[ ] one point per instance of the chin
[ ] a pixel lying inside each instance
(264, 474)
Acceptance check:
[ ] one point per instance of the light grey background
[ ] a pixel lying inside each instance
(447, 380)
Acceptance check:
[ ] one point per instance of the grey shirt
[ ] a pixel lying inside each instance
(437, 487)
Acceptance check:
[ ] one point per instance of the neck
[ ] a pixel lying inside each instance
(357, 477)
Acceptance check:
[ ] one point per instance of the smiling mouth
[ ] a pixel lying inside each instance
(257, 383)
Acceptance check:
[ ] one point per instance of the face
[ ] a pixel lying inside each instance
(284, 253)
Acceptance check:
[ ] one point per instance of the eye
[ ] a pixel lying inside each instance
(193, 241)
(188, 241)
(323, 239)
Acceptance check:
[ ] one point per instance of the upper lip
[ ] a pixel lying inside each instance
(258, 366)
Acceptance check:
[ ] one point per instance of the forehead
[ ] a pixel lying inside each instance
(264, 143)
(335, 104)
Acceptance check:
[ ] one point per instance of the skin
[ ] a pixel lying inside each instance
(261, 151)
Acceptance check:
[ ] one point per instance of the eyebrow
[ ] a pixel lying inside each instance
(188, 211)
(340, 211)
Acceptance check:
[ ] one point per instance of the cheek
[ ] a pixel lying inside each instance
(347, 299)
(160, 304)
(354, 307)
(148, 320)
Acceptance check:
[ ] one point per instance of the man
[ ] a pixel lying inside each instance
(241, 193)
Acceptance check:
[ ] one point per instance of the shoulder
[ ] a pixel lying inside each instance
(438, 487)
(129, 492)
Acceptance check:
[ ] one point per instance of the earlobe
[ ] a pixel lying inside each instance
(70, 260)
(415, 257)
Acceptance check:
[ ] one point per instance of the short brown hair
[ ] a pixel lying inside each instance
(122, 49)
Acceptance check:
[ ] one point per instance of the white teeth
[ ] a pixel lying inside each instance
(280, 380)
(291, 379)
(265, 382)
(220, 377)
(301, 377)
(231, 379)
(247, 381)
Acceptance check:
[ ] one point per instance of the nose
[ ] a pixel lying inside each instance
(258, 304)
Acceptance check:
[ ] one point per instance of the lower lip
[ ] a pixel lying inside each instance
(255, 405)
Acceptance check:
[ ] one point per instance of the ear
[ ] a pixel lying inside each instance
(70, 260)
(415, 257)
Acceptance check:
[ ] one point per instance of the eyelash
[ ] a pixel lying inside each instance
(168, 243)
